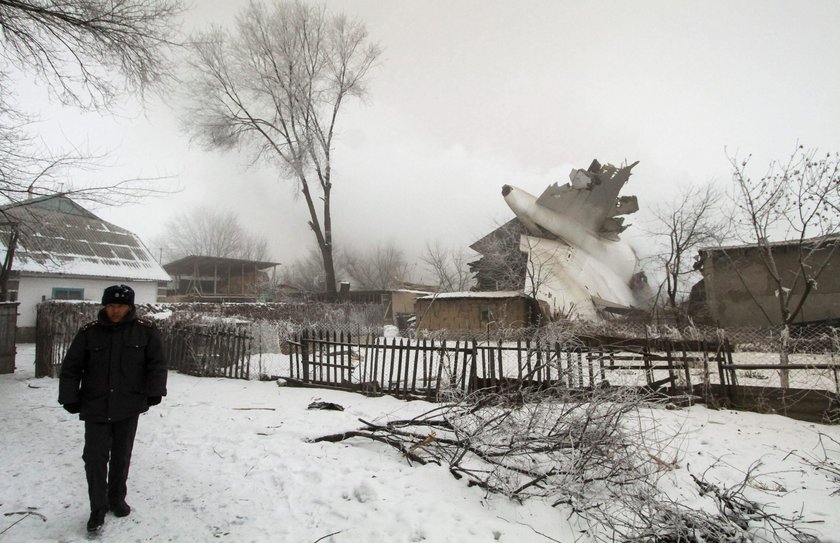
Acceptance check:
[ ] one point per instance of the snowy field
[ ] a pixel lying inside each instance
(228, 460)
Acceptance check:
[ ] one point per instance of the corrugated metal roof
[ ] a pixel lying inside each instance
(58, 236)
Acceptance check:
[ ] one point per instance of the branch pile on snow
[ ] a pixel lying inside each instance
(587, 453)
(513, 444)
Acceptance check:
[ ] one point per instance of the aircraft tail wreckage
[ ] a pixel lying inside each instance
(577, 262)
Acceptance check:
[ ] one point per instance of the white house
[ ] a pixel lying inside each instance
(65, 252)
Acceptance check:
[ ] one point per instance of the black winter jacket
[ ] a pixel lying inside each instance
(111, 369)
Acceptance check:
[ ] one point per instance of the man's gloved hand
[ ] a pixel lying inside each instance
(153, 400)
(72, 407)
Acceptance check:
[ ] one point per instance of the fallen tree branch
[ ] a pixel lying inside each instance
(334, 438)
(25, 515)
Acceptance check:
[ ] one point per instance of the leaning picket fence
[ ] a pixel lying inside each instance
(689, 371)
(440, 369)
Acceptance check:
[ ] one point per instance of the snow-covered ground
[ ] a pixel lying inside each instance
(228, 460)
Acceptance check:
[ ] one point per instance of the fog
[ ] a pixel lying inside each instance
(471, 95)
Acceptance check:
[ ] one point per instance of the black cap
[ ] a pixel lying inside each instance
(118, 294)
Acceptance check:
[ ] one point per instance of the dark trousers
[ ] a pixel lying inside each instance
(107, 456)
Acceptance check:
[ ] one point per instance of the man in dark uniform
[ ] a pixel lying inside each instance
(112, 372)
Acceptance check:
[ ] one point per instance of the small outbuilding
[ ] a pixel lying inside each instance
(737, 288)
(477, 311)
(216, 279)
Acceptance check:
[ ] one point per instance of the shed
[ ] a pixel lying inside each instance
(737, 288)
(477, 311)
(218, 279)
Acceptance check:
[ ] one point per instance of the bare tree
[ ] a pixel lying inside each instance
(30, 170)
(306, 274)
(797, 200)
(692, 220)
(513, 260)
(502, 265)
(11, 246)
(378, 268)
(540, 271)
(449, 267)
(93, 51)
(276, 85)
(597, 454)
(88, 54)
(209, 232)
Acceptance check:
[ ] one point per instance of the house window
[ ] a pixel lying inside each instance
(68, 294)
(486, 314)
(12, 293)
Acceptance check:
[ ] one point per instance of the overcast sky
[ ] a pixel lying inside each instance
(471, 95)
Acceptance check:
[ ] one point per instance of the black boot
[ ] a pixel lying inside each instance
(120, 508)
(96, 520)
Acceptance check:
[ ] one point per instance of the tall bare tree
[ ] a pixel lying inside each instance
(378, 268)
(209, 232)
(276, 85)
(692, 220)
(449, 267)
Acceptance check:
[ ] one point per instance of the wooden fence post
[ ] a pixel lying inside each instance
(473, 368)
(304, 355)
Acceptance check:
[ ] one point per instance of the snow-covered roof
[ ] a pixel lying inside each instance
(58, 236)
(472, 294)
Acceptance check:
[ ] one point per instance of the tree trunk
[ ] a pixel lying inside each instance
(784, 372)
(8, 261)
(327, 249)
(329, 270)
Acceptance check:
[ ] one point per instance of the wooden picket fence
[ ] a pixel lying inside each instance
(208, 349)
(431, 369)
(56, 326)
(194, 347)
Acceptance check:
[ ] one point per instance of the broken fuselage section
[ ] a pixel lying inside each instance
(576, 261)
